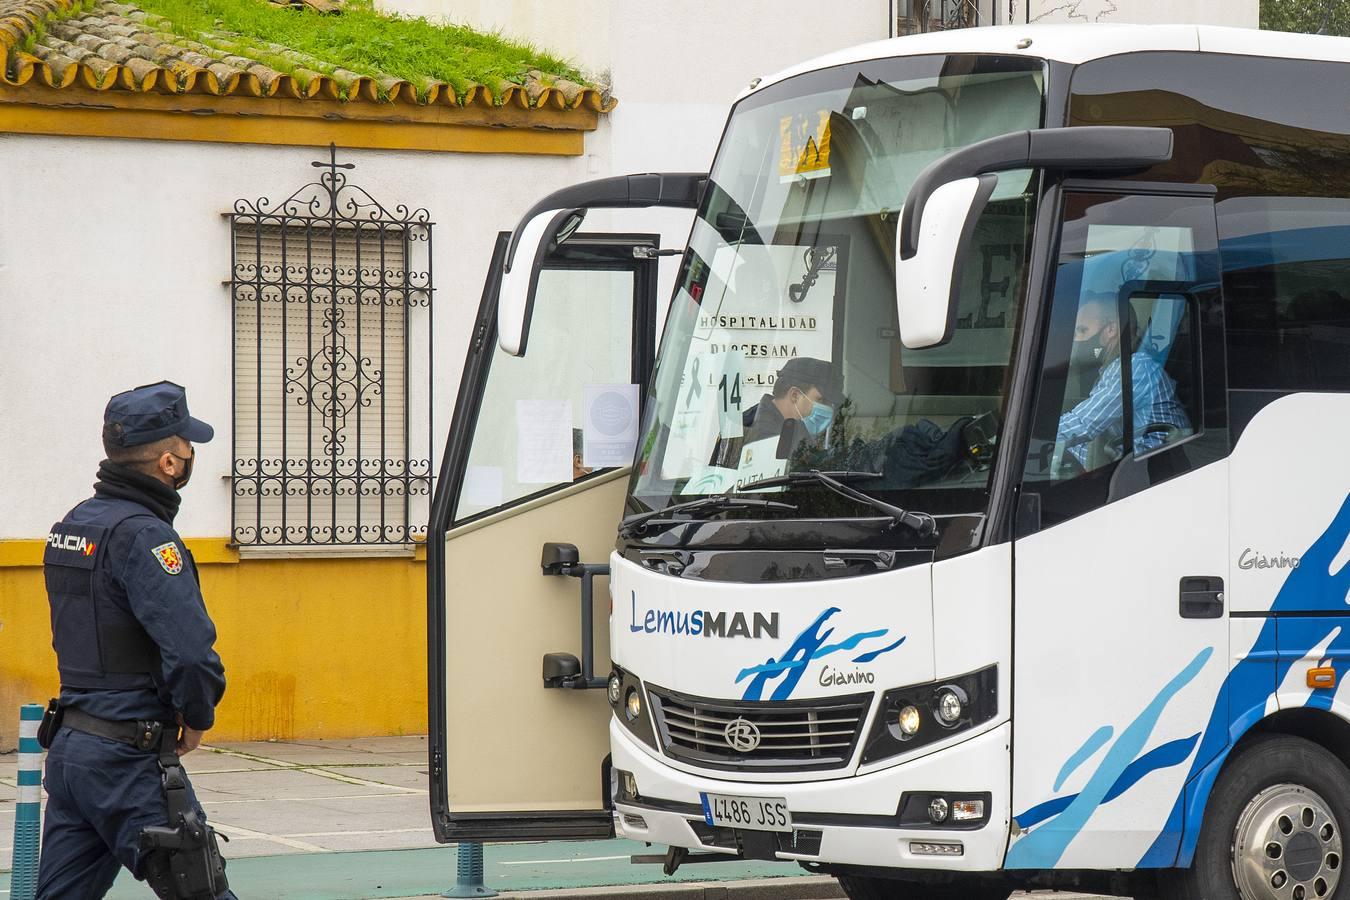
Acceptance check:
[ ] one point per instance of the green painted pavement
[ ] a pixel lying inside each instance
(408, 873)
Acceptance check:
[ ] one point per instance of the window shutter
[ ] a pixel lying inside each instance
(321, 383)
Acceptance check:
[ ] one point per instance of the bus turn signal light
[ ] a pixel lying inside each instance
(1321, 677)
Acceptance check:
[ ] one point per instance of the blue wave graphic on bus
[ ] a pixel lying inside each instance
(1164, 756)
(1083, 754)
(1119, 770)
(809, 646)
(1257, 677)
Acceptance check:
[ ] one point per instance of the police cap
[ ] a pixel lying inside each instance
(150, 413)
(807, 372)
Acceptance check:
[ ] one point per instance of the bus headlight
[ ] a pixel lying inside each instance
(907, 715)
(624, 691)
(950, 706)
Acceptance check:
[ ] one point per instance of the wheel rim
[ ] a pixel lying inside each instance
(1287, 846)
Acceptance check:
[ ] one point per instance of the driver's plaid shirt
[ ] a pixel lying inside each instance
(1155, 403)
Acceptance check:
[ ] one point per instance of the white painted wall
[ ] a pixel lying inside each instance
(1236, 13)
(112, 254)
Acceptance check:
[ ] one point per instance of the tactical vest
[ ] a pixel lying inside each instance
(99, 643)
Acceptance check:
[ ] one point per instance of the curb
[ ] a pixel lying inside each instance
(806, 887)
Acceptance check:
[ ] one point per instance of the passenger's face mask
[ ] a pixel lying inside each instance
(819, 418)
(181, 481)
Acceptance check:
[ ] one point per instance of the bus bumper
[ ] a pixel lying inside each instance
(856, 816)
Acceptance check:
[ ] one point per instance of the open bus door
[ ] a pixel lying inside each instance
(517, 665)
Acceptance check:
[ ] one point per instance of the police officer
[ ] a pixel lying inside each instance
(139, 678)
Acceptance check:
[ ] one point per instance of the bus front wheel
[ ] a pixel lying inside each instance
(858, 887)
(1272, 828)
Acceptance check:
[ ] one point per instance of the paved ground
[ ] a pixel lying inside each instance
(349, 819)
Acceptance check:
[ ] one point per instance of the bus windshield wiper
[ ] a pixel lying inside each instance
(632, 523)
(921, 522)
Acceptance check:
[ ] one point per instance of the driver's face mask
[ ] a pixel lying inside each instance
(1086, 350)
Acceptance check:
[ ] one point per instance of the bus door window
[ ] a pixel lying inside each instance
(529, 436)
(1121, 382)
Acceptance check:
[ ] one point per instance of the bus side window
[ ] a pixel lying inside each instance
(1120, 398)
(1286, 270)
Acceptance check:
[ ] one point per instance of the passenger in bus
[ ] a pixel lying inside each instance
(806, 390)
(579, 468)
(1158, 415)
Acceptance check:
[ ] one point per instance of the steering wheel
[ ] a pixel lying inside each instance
(1172, 433)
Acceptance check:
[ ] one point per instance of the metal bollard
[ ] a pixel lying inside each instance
(469, 874)
(27, 815)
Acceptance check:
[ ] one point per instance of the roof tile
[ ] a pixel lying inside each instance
(117, 46)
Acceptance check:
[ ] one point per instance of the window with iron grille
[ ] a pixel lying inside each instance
(919, 16)
(331, 298)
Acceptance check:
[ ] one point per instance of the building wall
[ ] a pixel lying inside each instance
(112, 257)
(312, 648)
(1237, 13)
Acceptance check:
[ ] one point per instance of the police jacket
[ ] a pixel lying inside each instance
(132, 636)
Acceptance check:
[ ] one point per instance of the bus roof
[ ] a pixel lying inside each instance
(1082, 42)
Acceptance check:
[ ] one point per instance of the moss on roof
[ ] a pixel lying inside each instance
(252, 47)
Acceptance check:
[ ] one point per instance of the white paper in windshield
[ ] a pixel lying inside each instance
(610, 425)
(709, 408)
(763, 306)
(543, 441)
(483, 486)
(757, 462)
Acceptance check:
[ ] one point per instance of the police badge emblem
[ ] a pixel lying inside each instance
(170, 560)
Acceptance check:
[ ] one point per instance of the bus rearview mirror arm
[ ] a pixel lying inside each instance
(562, 670)
(556, 217)
(948, 196)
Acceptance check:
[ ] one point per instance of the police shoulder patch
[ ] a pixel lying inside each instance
(169, 557)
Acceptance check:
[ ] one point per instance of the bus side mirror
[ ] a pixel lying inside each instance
(555, 218)
(531, 245)
(928, 280)
(947, 197)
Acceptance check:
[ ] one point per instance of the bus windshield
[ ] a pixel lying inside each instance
(781, 352)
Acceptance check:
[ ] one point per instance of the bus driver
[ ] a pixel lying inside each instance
(1096, 340)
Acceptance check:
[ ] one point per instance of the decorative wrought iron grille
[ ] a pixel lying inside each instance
(332, 320)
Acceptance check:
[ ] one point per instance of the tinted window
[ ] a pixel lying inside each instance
(1252, 126)
(1286, 278)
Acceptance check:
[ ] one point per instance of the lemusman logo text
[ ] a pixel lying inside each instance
(702, 622)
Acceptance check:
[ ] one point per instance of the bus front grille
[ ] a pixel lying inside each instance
(759, 735)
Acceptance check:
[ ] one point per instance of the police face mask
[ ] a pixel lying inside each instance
(181, 481)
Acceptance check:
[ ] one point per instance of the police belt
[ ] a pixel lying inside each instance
(143, 734)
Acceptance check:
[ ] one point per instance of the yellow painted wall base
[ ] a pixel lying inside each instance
(313, 648)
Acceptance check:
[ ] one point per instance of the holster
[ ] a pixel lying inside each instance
(183, 860)
(51, 723)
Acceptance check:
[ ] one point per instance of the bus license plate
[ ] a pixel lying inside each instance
(750, 813)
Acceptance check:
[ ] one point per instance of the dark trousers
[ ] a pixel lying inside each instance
(100, 794)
